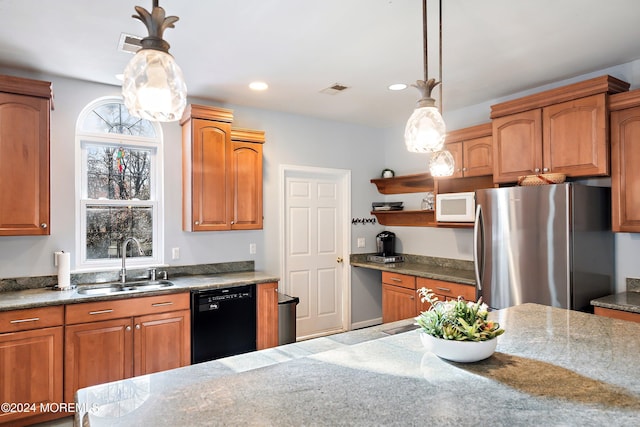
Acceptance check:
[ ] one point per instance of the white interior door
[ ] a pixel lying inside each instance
(314, 234)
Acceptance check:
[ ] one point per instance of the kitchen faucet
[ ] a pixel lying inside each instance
(123, 271)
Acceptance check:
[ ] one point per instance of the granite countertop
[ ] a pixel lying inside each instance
(41, 297)
(625, 301)
(449, 270)
(551, 367)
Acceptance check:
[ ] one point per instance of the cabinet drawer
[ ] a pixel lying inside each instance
(448, 290)
(31, 318)
(105, 310)
(396, 279)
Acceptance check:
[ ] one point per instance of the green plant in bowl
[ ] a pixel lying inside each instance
(457, 320)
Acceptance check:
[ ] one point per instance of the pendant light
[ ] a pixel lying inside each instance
(425, 130)
(153, 86)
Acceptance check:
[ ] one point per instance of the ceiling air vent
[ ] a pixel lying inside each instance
(129, 43)
(334, 89)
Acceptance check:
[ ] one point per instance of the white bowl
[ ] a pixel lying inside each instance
(459, 351)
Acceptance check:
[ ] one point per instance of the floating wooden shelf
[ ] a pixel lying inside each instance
(411, 218)
(415, 183)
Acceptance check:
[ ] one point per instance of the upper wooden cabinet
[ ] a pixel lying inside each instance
(472, 150)
(246, 170)
(24, 156)
(625, 158)
(563, 130)
(221, 172)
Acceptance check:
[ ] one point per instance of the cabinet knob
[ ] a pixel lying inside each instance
(43, 225)
(536, 170)
(233, 222)
(464, 169)
(197, 223)
(545, 169)
(138, 326)
(128, 328)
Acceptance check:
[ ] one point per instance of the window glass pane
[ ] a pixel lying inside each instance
(115, 118)
(109, 226)
(118, 173)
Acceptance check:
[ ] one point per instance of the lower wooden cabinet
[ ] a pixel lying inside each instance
(400, 299)
(31, 359)
(267, 315)
(617, 314)
(154, 336)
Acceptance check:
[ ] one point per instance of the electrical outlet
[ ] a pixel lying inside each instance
(252, 248)
(175, 253)
(361, 242)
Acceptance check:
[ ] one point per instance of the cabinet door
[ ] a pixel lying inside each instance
(575, 136)
(625, 173)
(211, 202)
(30, 369)
(246, 182)
(476, 156)
(455, 148)
(517, 145)
(24, 165)
(161, 342)
(267, 315)
(97, 353)
(397, 303)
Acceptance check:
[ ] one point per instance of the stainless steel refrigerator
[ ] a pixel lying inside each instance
(546, 244)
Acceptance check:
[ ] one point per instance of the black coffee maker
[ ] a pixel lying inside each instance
(386, 243)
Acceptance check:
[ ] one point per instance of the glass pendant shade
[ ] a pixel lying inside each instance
(153, 86)
(425, 131)
(441, 164)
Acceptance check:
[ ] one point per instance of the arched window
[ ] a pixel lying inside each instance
(120, 186)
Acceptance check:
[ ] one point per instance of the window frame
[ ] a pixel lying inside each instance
(86, 139)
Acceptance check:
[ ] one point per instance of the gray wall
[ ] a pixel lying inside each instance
(291, 139)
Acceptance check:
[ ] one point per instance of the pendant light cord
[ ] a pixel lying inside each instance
(426, 50)
(440, 53)
(424, 39)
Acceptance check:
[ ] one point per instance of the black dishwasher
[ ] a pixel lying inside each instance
(223, 322)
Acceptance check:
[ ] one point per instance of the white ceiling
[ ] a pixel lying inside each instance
(492, 48)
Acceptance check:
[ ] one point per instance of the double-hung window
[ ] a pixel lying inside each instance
(120, 186)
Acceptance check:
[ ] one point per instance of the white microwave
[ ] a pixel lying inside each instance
(456, 207)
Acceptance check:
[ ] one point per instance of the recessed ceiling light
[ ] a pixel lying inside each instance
(397, 86)
(258, 86)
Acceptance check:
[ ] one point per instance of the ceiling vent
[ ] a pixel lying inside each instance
(334, 89)
(129, 43)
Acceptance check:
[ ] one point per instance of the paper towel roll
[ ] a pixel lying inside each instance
(64, 270)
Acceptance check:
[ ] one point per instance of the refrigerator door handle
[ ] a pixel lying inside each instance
(478, 243)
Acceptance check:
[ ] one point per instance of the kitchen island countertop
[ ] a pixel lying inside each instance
(551, 367)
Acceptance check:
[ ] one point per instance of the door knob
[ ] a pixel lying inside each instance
(339, 260)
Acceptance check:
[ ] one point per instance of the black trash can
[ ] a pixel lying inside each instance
(287, 318)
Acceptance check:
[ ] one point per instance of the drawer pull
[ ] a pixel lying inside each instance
(161, 304)
(101, 311)
(395, 279)
(444, 289)
(33, 319)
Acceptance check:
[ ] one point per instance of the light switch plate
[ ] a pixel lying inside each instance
(175, 253)
(252, 248)
(361, 242)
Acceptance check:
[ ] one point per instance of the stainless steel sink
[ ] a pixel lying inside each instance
(118, 288)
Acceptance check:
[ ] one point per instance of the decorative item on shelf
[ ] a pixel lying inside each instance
(427, 202)
(542, 179)
(457, 330)
(387, 206)
(153, 85)
(363, 220)
(388, 173)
